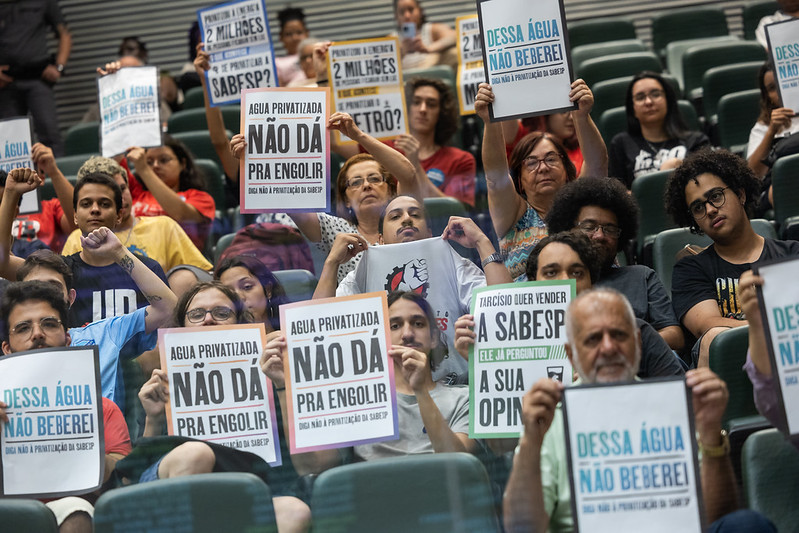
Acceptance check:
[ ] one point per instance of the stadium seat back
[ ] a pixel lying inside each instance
(83, 138)
(617, 65)
(299, 284)
(784, 177)
(590, 51)
(753, 12)
(600, 30)
(727, 79)
(24, 516)
(727, 357)
(698, 59)
(737, 113)
(665, 247)
(689, 23)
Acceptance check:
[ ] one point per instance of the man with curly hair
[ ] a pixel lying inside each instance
(602, 209)
(714, 192)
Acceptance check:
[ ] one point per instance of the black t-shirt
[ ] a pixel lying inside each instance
(657, 359)
(642, 287)
(707, 276)
(104, 292)
(23, 35)
(631, 157)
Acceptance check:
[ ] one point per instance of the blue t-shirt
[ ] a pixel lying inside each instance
(110, 335)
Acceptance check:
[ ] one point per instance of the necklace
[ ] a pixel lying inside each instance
(130, 231)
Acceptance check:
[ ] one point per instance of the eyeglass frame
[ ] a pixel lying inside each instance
(59, 325)
(610, 230)
(206, 311)
(640, 98)
(371, 179)
(707, 200)
(556, 162)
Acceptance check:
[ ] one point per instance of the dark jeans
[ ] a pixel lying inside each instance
(37, 97)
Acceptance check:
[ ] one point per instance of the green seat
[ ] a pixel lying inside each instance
(199, 142)
(727, 79)
(614, 120)
(438, 72)
(698, 59)
(611, 93)
(439, 210)
(665, 247)
(47, 191)
(24, 516)
(675, 50)
(737, 113)
(193, 98)
(299, 284)
(784, 176)
(214, 180)
(222, 245)
(203, 503)
(727, 357)
(194, 119)
(764, 228)
(616, 66)
(600, 30)
(83, 138)
(652, 218)
(70, 164)
(690, 23)
(418, 493)
(770, 470)
(590, 51)
(754, 11)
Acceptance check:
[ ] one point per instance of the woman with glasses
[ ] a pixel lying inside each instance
(521, 189)
(365, 185)
(657, 137)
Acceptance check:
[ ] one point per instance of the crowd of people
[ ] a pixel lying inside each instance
(123, 251)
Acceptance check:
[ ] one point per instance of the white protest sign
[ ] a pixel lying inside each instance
(526, 57)
(129, 110)
(366, 81)
(783, 45)
(217, 391)
(52, 444)
(16, 146)
(236, 35)
(470, 61)
(632, 457)
(779, 307)
(286, 165)
(339, 377)
(520, 337)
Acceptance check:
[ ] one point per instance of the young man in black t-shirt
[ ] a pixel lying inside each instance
(714, 192)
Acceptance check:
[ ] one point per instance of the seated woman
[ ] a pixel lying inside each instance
(210, 304)
(774, 123)
(170, 184)
(657, 137)
(430, 44)
(521, 190)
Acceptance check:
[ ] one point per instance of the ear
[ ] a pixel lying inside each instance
(75, 218)
(268, 291)
(380, 239)
(569, 353)
(67, 338)
(118, 220)
(71, 297)
(6, 348)
(742, 196)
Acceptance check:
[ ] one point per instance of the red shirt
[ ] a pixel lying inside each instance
(45, 226)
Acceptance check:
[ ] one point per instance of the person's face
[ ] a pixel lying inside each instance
(718, 223)
(404, 221)
(543, 179)
(605, 346)
(425, 109)
(306, 61)
(409, 11)
(34, 324)
(605, 222)
(361, 193)
(771, 88)
(649, 101)
(210, 299)
(559, 261)
(96, 208)
(291, 36)
(409, 326)
(166, 165)
(127, 199)
(561, 125)
(249, 289)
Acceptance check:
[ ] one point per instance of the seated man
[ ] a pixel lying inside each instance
(433, 417)
(31, 302)
(604, 210)
(605, 347)
(714, 192)
(447, 284)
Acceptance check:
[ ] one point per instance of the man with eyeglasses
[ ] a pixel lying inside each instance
(714, 192)
(603, 209)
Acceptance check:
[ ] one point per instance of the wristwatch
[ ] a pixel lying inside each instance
(496, 257)
(60, 68)
(716, 451)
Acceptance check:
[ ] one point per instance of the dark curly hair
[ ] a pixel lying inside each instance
(730, 168)
(606, 193)
(267, 280)
(579, 242)
(288, 14)
(341, 186)
(526, 145)
(674, 123)
(19, 293)
(448, 115)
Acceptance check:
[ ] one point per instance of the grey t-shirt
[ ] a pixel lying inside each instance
(452, 401)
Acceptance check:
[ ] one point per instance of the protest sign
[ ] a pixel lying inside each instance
(339, 377)
(470, 61)
(779, 307)
(783, 47)
(366, 81)
(217, 391)
(236, 35)
(632, 457)
(286, 166)
(526, 57)
(429, 267)
(130, 110)
(520, 337)
(52, 444)
(16, 147)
